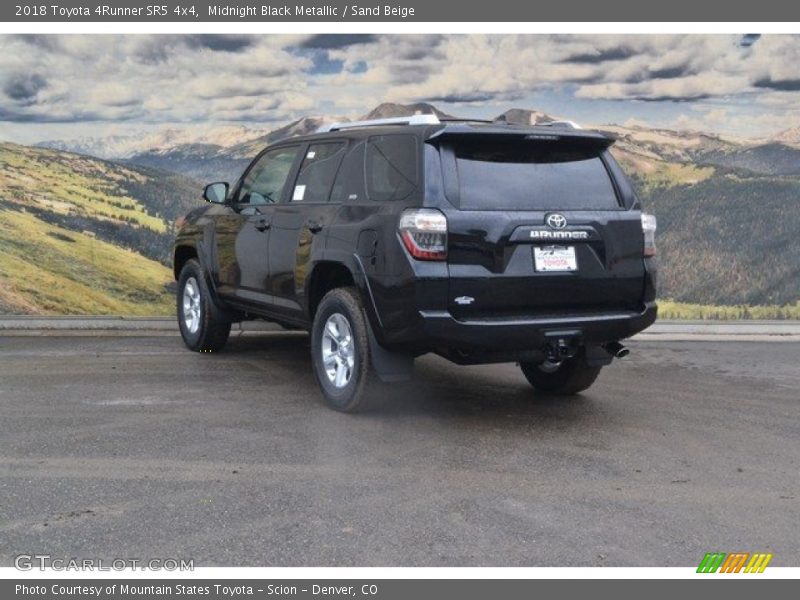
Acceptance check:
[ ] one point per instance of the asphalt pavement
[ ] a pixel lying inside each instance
(135, 447)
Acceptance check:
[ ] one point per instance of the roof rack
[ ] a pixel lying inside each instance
(412, 120)
(466, 120)
(562, 124)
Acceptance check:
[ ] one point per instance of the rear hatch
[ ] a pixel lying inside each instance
(539, 228)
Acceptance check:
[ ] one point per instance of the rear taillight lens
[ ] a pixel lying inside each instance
(424, 233)
(649, 229)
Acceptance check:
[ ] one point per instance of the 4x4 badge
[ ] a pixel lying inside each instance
(556, 221)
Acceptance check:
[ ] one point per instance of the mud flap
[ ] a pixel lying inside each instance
(597, 356)
(389, 366)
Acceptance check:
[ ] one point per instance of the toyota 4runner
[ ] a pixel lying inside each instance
(389, 239)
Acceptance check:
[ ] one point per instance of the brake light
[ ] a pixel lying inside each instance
(649, 229)
(424, 233)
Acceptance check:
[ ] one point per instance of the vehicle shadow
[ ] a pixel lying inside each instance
(438, 388)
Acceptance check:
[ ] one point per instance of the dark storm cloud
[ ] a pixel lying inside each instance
(45, 42)
(213, 92)
(123, 103)
(259, 70)
(409, 73)
(23, 87)
(671, 72)
(781, 85)
(154, 51)
(429, 47)
(20, 116)
(220, 43)
(462, 98)
(332, 41)
(666, 73)
(414, 54)
(12, 116)
(748, 39)
(420, 52)
(601, 56)
(668, 98)
(159, 49)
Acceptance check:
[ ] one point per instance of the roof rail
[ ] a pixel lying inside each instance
(412, 120)
(466, 120)
(563, 124)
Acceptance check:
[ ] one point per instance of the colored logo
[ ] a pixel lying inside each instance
(736, 562)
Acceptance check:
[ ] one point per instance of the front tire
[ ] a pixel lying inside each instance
(570, 376)
(204, 326)
(340, 350)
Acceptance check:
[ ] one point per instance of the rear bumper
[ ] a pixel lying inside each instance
(528, 334)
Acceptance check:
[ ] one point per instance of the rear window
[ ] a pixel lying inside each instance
(532, 176)
(391, 167)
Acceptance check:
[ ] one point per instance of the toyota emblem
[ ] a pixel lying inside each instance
(556, 221)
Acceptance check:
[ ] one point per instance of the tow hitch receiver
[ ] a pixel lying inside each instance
(561, 345)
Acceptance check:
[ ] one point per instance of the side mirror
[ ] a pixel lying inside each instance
(216, 193)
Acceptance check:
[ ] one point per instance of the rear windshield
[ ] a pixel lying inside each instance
(530, 175)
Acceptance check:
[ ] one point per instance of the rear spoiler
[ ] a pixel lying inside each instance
(583, 137)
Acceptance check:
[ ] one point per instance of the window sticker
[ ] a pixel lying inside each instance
(299, 192)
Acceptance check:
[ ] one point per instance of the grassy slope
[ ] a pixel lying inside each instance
(52, 262)
(651, 172)
(45, 270)
(727, 239)
(730, 240)
(69, 183)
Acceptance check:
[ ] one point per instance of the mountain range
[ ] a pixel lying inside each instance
(727, 208)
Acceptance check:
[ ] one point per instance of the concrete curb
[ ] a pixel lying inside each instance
(663, 330)
(91, 324)
(664, 326)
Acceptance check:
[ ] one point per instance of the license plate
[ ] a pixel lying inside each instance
(554, 258)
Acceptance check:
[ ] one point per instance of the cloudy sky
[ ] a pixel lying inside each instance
(60, 86)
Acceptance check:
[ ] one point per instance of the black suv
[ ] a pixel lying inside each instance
(388, 239)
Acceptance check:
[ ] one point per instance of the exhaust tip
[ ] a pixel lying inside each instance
(617, 350)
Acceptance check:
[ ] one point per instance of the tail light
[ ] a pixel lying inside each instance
(424, 233)
(649, 229)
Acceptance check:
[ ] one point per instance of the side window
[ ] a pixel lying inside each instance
(391, 167)
(349, 184)
(264, 183)
(317, 172)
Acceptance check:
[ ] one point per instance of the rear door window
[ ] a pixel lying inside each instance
(319, 168)
(392, 167)
(527, 175)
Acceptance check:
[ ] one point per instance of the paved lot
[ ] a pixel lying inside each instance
(135, 447)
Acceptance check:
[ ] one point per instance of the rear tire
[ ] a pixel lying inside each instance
(204, 326)
(340, 350)
(570, 377)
